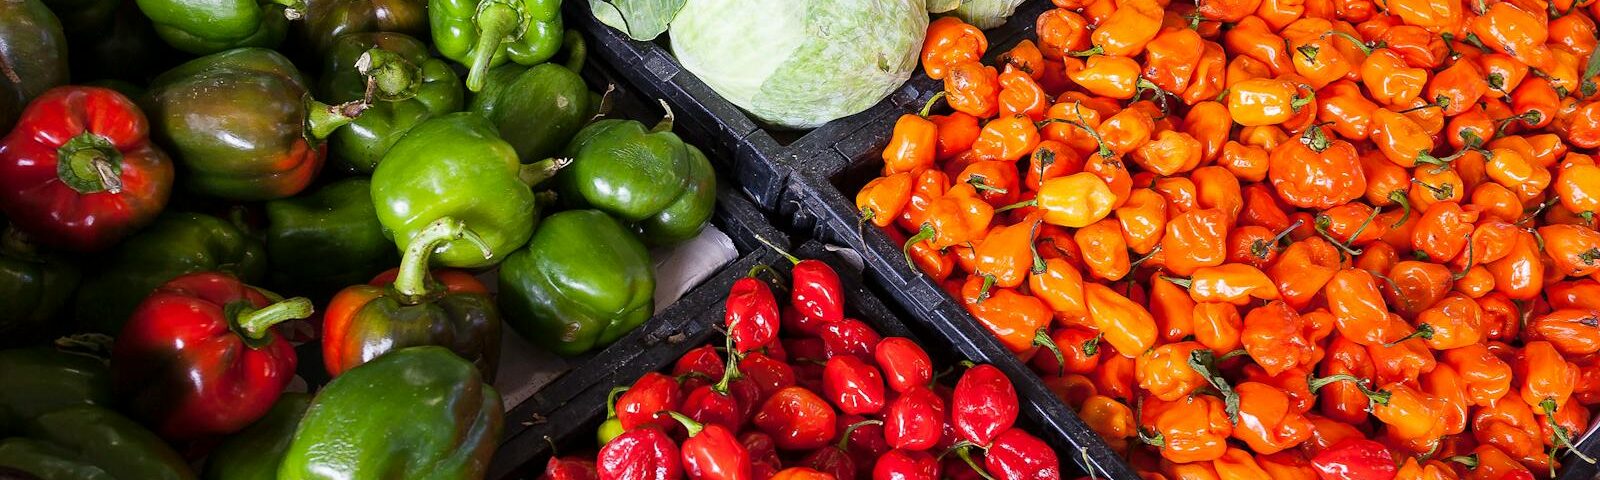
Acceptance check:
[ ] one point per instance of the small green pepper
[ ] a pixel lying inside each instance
(204, 27)
(414, 413)
(539, 108)
(176, 244)
(484, 33)
(456, 166)
(33, 46)
(647, 177)
(319, 242)
(582, 282)
(91, 442)
(34, 287)
(409, 84)
(254, 453)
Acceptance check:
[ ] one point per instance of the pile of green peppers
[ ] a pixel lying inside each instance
(318, 146)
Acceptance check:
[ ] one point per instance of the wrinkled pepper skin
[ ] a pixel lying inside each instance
(79, 171)
(34, 288)
(455, 166)
(176, 244)
(35, 381)
(91, 442)
(324, 21)
(415, 413)
(204, 27)
(485, 33)
(430, 88)
(254, 453)
(241, 124)
(537, 109)
(33, 46)
(646, 177)
(582, 282)
(321, 241)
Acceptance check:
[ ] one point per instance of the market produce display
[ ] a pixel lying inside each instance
(1273, 239)
(799, 390)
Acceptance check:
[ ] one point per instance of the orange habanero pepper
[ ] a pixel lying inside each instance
(1316, 172)
(1164, 371)
(881, 200)
(973, 88)
(950, 42)
(1267, 423)
(1127, 325)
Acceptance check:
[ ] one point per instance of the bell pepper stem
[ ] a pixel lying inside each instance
(844, 440)
(495, 21)
(538, 172)
(577, 50)
(667, 118)
(689, 424)
(412, 280)
(255, 322)
(322, 119)
(392, 77)
(775, 248)
(90, 163)
(292, 9)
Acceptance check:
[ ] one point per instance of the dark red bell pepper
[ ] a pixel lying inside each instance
(200, 356)
(570, 468)
(905, 364)
(1354, 458)
(752, 314)
(906, 465)
(78, 171)
(797, 419)
(983, 405)
(915, 420)
(815, 290)
(853, 385)
(849, 337)
(640, 454)
(642, 405)
(712, 452)
(1016, 455)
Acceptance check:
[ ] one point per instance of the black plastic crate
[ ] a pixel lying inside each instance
(569, 427)
(758, 157)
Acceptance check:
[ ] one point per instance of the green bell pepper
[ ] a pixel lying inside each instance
(34, 49)
(647, 177)
(414, 413)
(327, 20)
(537, 109)
(35, 381)
(456, 166)
(411, 85)
(204, 27)
(241, 124)
(484, 33)
(582, 282)
(319, 242)
(176, 244)
(34, 287)
(91, 442)
(255, 452)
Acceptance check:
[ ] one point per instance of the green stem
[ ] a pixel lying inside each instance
(667, 119)
(412, 280)
(1145, 258)
(322, 119)
(611, 400)
(962, 449)
(495, 21)
(1469, 460)
(1470, 260)
(1096, 50)
(1362, 227)
(1559, 434)
(794, 260)
(292, 9)
(1399, 196)
(1181, 282)
(689, 424)
(844, 440)
(535, 173)
(392, 77)
(1378, 397)
(255, 322)
(1424, 331)
(988, 283)
(1042, 338)
(1025, 203)
(90, 163)
(922, 235)
(927, 108)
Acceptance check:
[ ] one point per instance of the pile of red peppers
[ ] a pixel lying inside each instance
(801, 392)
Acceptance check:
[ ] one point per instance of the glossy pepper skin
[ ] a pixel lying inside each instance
(200, 357)
(410, 86)
(983, 405)
(254, 453)
(203, 28)
(66, 442)
(581, 283)
(411, 306)
(640, 454)
(33, 45)
(485, 33)
(176, 244)
(35, 287)
(752, 316)
(437, 418)
(324, 240)
(241, 124)
(537, 108)
(79, 171)
(644, 176)
(40, 380)
(420, 179)
(323, 22)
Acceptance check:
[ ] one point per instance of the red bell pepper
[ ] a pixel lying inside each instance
(79, 171)
(640, 454)
(983, 405)
(712, 452)
(752, 314)
(200, 356)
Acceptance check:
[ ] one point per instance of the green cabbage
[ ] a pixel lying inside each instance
(986, 14)
(791, 63)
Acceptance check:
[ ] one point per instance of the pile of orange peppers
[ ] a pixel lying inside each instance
(1258, 238)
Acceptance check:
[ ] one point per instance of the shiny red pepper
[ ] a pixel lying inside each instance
(797, 419)
(752, 314)
(854, 386)
(79, 172)
(905, 364)
(641, 454)
(984, 404)
(200, 356)
(1016, 455)
(915, 420)
(712, 452)
(906, 465)
(1354, 459)
(652, 394)
(849, 337)
(815, 291)
(571, 468)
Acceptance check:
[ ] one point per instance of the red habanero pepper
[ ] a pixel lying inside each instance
(200, 358)
(815, 291)
(915, 420)
(983, 405)
(906, 465)
(752, 315)
(905, 364)
(797, 419)
(855, 386)
(1355, 459)
(1017, 455)
(642, 405)
(78, 171)
(712, 452)
(640, 454)
(849, 337)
